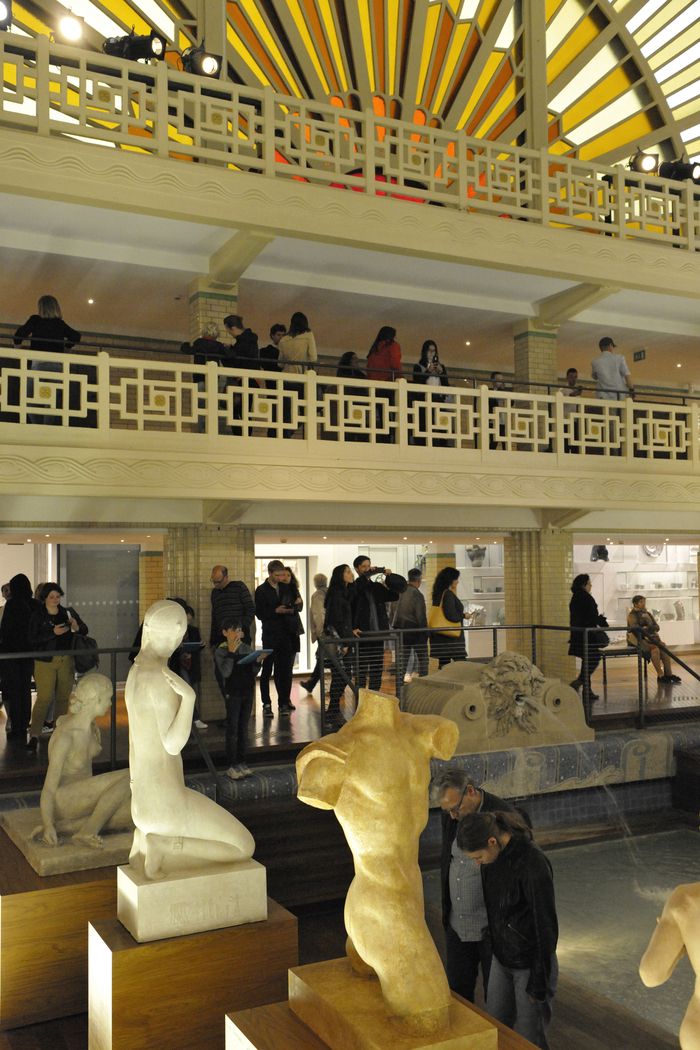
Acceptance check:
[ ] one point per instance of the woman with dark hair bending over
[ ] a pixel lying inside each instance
(338, 624)
(448, 647)
(519, 896)
(583, 612)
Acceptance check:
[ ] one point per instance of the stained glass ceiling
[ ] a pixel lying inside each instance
(616, 74)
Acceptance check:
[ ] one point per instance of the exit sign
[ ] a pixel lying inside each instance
(639, 355)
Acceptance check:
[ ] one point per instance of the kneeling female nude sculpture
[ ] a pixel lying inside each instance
(73, 802)
(375, 773)
(177, 829)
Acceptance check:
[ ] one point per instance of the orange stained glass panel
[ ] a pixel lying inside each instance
(439, 53)
(380, 44)
(318, 35)
(247, 35)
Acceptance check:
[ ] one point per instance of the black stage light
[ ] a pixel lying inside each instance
(644, 163)
(135, 47)
(680, 170)
(203, 63)
(5, 14)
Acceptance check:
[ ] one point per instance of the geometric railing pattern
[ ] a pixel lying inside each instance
(109, 395)
(54, 90)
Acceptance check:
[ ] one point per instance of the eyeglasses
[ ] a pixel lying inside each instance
(454, 810)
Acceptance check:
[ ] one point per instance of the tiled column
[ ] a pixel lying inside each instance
(435, 561)
(189, 555)
(151, 581)
(210, 302)
(538, 574)
(535, 353)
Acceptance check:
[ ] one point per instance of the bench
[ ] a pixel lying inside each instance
(628, 650)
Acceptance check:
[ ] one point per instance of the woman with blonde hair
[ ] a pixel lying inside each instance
(46, 330)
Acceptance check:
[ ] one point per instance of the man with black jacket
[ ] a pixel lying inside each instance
(464, 917)
(231, 601)
(276, 608)
(369, 616)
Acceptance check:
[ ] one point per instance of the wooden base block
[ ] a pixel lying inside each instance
(348, 1012)
(175, 992)
(275, 1027)
(43, 937)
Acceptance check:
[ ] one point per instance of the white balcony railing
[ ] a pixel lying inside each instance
(55, 90)
(172, 403)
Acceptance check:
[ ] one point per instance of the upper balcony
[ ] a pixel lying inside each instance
(216, 132)
(113, 425)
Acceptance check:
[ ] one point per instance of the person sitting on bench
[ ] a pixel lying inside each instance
(648, 641)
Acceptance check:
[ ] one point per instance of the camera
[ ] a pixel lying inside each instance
(377, 571)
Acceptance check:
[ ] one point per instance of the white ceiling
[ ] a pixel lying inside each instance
(137, 269)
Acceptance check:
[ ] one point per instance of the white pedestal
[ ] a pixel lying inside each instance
(191, 902)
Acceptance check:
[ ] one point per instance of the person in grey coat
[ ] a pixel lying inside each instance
(411, 617)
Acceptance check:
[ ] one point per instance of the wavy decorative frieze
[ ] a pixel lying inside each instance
(131, 476)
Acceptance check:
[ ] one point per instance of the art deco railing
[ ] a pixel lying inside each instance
(172, 403)
(55, 90)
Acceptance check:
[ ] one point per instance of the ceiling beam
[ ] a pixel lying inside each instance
(232, 259)
(561, 519)
(562, 306)
(224, 512)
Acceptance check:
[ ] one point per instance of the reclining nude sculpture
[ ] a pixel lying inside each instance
(177, 829)
(74, 802)
(374, 772)
(677, 933)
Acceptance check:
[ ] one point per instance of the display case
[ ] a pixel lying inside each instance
(671, 595)
(481, 588)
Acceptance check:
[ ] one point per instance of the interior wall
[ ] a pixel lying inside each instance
(16, 558)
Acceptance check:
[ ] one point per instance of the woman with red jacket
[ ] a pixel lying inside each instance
(384, 365)
(384, 357)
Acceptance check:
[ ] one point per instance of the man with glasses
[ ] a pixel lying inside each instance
(467, 939)
(231, 602)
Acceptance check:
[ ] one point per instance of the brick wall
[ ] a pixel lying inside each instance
(151, 580)
(209, 303)
(538, 569)
(535, 356)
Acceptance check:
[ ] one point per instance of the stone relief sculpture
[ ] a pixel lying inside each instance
(677, 933)
(73, 801)
(374, 772)
(506, 703)
(177, 829)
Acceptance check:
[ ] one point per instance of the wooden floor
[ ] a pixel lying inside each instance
(278, 739)
(582, 1020)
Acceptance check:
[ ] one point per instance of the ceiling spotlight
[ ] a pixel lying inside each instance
(90, 302)
(71, 28)
(645, 163)
(679, 365)
(203, 63)
(680, 170)
(468, 343)
(135, 47)
(5, 14)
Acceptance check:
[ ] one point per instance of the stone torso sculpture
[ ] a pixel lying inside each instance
(375, 773)
(677, 933)
(176, 828)
(72, 800)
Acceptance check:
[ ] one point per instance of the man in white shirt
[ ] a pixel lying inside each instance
(611, 373)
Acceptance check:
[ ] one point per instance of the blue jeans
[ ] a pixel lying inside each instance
(509, 1002)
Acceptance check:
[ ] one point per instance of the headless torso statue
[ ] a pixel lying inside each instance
(176, 828)
(375, 773)
(677, 933)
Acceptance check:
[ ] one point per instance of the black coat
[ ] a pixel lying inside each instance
(519, 896)
(366, 590)
(277, 628)
(339, 611)
(41, 633)
(244, 351)
(583, 612)
(490, 804)
(14, 631)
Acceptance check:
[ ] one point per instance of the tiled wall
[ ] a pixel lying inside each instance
(151, 580)
(208, 303)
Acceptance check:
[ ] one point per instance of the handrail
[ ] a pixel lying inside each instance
(56, 90)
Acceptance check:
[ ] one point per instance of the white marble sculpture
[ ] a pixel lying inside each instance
(73, 801)
(677, 933)
(177, 829)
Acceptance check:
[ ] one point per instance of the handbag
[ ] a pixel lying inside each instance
(85, 656)
(599, 639)
(439, 623)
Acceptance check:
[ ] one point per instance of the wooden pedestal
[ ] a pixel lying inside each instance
(175, 993)
(43, 937)
(275, 1027)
